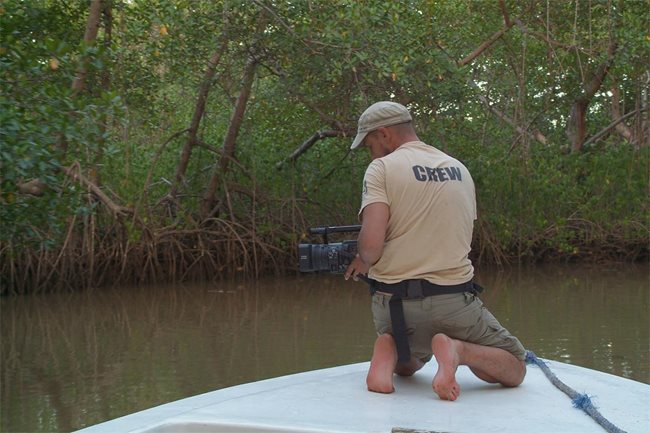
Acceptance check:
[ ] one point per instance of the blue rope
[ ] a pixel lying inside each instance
(580, 401)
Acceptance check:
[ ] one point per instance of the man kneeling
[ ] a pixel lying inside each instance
(414, 243)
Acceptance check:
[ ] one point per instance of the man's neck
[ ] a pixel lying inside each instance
(407, 139)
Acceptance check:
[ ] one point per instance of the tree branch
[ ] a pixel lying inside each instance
(550, 41)
(209, 147)
(74, 171)
(597, 79)
(609, 127)
(495, 37)
(288, 27)
(504, 11)
(535, 134)
(159, 152)
(332, 121)
(484, 46)
(309, 143)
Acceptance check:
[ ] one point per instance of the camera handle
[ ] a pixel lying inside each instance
(324, 231)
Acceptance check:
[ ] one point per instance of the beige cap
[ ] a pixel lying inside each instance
(379, 114)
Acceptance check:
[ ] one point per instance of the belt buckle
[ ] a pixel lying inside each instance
(414, 289)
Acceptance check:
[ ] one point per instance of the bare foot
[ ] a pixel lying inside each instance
(446, 352)
(382, 365)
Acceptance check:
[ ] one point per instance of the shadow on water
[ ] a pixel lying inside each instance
(73, 360)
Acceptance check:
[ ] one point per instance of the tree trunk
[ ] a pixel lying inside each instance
(228, 150)
(642, 122)
(624, 130)
(199, 110)
(577, 124)
(95, 174)
(238, 114)
(92, 27)
(576, 128)
(79, 81)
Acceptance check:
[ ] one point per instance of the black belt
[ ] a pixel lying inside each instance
(412, 289)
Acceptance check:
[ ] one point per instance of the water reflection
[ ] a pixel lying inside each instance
(72, 360)
(591, 316)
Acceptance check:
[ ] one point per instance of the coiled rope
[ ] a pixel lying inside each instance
(580, 401)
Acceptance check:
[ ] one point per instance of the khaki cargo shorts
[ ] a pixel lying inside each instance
(461, 316)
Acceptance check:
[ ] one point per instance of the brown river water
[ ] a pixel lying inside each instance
(76, 359)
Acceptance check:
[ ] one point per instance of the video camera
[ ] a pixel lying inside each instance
(328, 257)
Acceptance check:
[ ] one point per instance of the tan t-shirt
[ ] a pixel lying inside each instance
(432, 211)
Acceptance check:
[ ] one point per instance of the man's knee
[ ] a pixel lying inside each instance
(517, 377)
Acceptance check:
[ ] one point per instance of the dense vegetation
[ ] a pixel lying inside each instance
(178, 139)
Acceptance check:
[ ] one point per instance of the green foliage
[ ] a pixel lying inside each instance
(554, 204)
(319, 64)
(39, 116)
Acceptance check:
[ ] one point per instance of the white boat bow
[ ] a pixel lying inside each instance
(336, 400)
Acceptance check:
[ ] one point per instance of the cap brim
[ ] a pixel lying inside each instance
(358, 140)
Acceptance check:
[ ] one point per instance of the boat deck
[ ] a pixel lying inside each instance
(336, 400)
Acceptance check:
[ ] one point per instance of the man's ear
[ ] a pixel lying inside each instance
(384, 133)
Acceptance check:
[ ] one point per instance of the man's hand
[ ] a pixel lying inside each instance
(356, 267)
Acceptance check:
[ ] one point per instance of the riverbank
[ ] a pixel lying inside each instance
(225, 251)
(548, 207)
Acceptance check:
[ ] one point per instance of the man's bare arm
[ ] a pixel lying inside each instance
(373, 232)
